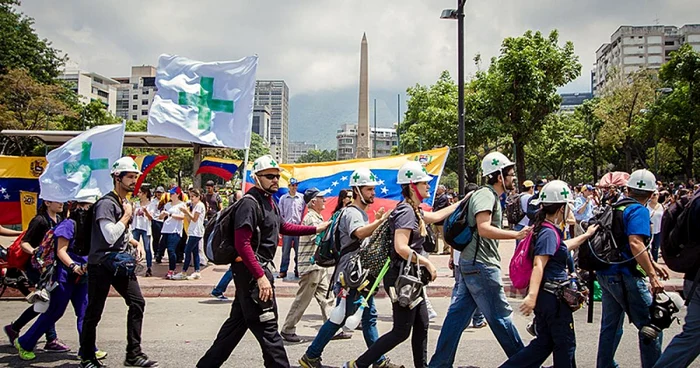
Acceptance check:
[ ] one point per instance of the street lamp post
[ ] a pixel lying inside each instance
(459, 15)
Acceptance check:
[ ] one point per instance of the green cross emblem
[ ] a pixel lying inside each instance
(641, 184)
(495, 162)
(85, 165)
(409, 174)
(255, 165)
(425, 171)
(565, 193)
(356, 177)
(205, 102)
(273, 163)
(372, 177)
(543, 196)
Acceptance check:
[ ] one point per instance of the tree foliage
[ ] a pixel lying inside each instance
(315, 155)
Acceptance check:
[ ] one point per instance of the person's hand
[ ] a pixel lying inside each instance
(451, 263)
(661, 271)
(265, 288)
(656, 285)
(128, 209)
(520, 235)
(432, 270)
(381, 214)
(591, 230)
(528, 305)
(78, 270)
(322, 226)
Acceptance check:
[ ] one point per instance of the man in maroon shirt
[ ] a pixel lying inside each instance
(254, 306)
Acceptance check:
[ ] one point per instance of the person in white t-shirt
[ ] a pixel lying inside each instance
(144, 210)
(656, 212)
(172, 216)
(195, 231)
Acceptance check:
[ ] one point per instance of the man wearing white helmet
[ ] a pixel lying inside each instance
(353, 228)
(110, 263)
(480, 264)
(624, 285)
(254, 307)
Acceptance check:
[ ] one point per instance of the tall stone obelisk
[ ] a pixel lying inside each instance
(363, 138)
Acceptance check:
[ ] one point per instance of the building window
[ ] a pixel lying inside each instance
(144, 112)
(134, 107)
(98, 80)
(102, 94)
(135, 86)
(144, 92)
(133, 117)
(144, 102)
(669, 43)
(136, 97)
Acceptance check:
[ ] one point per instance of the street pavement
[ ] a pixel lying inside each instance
(177, 332)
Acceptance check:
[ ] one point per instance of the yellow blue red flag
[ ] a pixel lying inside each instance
(17, 174)
(146, 163)
(221, 167)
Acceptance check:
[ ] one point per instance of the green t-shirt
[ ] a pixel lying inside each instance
(484, 199)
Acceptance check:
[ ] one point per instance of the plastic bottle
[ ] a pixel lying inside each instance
(338, 314)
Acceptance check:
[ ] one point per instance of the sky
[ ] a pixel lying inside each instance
(314, 45)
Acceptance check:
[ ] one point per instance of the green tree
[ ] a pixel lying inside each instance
(317, 156)
(21, 47)
(519, 90)
(89, 115)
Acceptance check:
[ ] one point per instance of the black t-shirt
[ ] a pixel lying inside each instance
(694, 232)
(246, 215)
(37, 228)
(212, 201)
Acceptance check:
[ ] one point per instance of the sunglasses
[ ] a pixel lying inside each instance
(271, 176)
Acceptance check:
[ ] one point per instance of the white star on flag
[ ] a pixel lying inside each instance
(334, 184)
(381, 182)
(7, 196)
(385, 190)
(3, 190)
(344, 178)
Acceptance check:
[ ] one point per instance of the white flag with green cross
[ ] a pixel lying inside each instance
(81, 166)
(207, 103)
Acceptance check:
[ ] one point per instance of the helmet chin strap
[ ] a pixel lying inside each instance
(362, 197)
(416, 192)
(259, 184)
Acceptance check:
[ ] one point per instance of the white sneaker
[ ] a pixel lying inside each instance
(194, 276)
(180, 276)
(432, 314)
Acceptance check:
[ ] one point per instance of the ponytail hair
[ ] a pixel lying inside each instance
(406, 192)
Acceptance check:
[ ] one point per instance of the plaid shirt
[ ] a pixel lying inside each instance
(307, 244)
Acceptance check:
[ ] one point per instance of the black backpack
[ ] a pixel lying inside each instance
(514, 210)
(531, 208)
(220, 248)
(604, 248)
(327, 253)
(86, 221)
(456, 229)
(679, 244)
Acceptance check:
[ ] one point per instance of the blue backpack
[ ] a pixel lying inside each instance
(456, 228)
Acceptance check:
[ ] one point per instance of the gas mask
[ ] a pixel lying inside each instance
(662, 309)
(408, 289)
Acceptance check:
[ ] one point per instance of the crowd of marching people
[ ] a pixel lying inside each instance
(75, 252)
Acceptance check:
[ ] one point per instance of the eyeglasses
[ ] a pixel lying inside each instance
(271, 176)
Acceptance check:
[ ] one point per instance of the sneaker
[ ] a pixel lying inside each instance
(350, 364)
(12, 335)
(140, 360)
(432, 314)
(282, 275)
(24, 354)
(531, 329)
(219, 296)
(56, 346)
(342, 336)
(179, 276)
(386, 363)
(149, 273)
(292, 337)
(99, 355)
(93, 363)
(169, 275)
(480, 325)
(195, 276)
(306, 362)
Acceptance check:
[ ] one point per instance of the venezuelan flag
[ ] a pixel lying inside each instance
(221, 167)
(17, 175)
(146, 163)
(334, 176)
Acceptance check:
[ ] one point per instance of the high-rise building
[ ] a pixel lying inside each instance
(569, 101)
(634, 48)
(92, 87)
(298, 149)
(275, 94)
(261, 122)
(135, 93)
(123, 93)
(386, 138)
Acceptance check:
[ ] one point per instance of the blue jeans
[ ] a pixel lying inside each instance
(329, 329)
(220, 288)
(684, 347)
(171, 240)
(655, 244)
(480, 287)
(622, 292)
(286, 250)
(478, 317)
(138, 234)
(192, 251)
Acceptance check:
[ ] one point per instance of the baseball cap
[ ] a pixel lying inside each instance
(160, 190)
(312, 193)
(210, 183)
(540, 183)
(294, 181)
(588, 187)
(528, 184)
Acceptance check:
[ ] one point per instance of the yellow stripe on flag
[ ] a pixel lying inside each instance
(21, 167)
(28, 204)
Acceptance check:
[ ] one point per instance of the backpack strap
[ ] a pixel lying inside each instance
(476, 229)
(260, 217)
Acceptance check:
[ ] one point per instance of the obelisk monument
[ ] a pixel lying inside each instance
(363, 138)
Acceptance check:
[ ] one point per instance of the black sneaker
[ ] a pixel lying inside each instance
(92, 363)
(140, 360)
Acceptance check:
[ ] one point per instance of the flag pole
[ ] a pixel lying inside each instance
(244, 172)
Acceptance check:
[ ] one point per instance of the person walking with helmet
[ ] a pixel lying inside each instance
(111, 263)
(624, 288)
(314, 279)
(555, 319)
(408, 223)
(481, 285)
(254, 307)
(353, 228)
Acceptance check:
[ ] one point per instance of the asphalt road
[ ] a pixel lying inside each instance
(177, 331)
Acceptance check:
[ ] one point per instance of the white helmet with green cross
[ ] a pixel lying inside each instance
(125, 164)
(264, 163)
(493, 162)
(363, 177)
(556, 191)
(412, 172)
(642, 180)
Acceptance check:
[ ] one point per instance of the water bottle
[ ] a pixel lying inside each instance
(338, 313)
(353, 321)
(573, 283)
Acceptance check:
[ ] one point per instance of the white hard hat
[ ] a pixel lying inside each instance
(494, 161)
(264, 163)
(642, 180)
(556, 191)
(125, 164)
(363, 177)
(87, 196)
(412, 172)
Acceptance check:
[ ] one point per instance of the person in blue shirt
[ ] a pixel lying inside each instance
(554, 319)
(624, 288)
